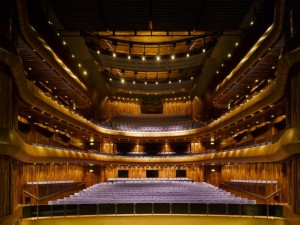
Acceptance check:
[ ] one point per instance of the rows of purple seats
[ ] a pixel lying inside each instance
(151, 123)
(152, 191)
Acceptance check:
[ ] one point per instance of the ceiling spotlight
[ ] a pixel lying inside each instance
(172, 56)
(122, 81)
(85, 72)
(64, 43)
(229, 55)
(236, 44)
(110, 79)
(203, 50)
(145, 82)
(114, 54)
(143, 58)
(133, 82)
(252, 22)
(158, 57)
(129, 57)
(98, 52)
(187, 54)
(179, 81)
(156, 82)
(170, 82)
(73, 56)
(192, 78)
(79, 65)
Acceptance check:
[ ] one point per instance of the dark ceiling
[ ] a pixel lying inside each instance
(96, 15)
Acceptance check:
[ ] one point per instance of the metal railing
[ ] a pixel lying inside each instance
(53, 194)
(265, 198)
(252, 210)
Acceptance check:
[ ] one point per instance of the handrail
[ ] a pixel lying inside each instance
(152, 208)
(247, 192)
(53, 194)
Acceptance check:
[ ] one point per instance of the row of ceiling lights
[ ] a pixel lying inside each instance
(146, 82)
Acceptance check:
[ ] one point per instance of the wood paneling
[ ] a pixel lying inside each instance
(258, 171)
(125, 107)
(8, 114)
(177, 108)
(9, 182)
(193, 172)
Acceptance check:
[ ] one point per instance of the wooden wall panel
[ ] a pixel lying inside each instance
(125, 108)
(178, 108)
(9, 182)
(258, 171)
(8, 109)
(193, 172)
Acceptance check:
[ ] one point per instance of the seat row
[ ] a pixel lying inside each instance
(180, 190)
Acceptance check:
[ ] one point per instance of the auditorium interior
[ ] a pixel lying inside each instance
(116, 110)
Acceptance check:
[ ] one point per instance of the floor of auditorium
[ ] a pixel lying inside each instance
(156, 220)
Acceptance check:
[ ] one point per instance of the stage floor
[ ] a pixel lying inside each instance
(155, 220)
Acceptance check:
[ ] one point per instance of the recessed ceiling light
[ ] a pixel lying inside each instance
(122, 81)
(98, 52)
(143, 58)
(172, 56)
(129, 56)
(187, 54)
(114, 54)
